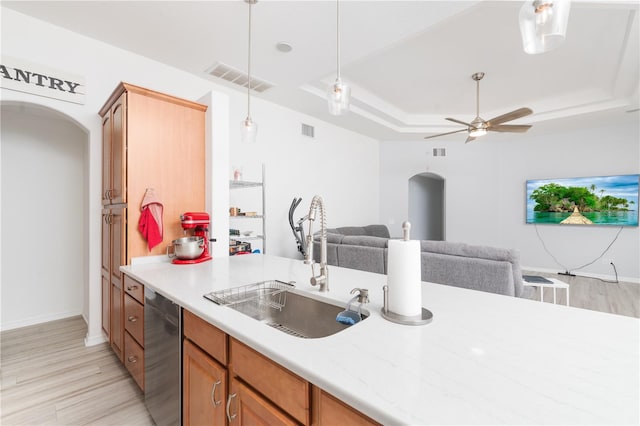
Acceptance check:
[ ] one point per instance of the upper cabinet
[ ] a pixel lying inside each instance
(114, 148)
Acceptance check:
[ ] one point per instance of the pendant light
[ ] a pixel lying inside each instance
(249, 128)
(543, 24)
(339, 93)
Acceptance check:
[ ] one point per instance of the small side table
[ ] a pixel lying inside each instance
(554, 284)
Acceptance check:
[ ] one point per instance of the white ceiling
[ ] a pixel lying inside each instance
(409, 62)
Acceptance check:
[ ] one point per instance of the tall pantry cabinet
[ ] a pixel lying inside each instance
(150, 140)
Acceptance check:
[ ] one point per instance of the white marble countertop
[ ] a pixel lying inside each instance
(485, 358)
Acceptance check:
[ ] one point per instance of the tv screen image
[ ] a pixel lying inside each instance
(596, 200)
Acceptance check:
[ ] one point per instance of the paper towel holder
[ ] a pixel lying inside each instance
(425, 317)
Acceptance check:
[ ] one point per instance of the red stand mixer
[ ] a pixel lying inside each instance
(199, 223)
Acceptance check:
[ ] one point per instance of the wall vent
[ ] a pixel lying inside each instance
(238, 77)
(439, 152)
(307, 130)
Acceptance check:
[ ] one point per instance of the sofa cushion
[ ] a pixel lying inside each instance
(365, 240)
(371, 230)
(363, 258)
(331, 238)
(377, 231)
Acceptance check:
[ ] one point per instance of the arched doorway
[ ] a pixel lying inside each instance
(44, 213)
(427, 207)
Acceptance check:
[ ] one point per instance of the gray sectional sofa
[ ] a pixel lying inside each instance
(490, 269)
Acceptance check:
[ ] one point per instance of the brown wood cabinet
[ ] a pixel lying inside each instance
(329, 411)
(286, 390)
(257, 390)
(112, 257)
(134, 329)
(204, 384)
(248, 407)
(149, 140)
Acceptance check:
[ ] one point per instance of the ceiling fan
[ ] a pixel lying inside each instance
(479, 127)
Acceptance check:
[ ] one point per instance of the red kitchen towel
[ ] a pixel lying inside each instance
(150, 223)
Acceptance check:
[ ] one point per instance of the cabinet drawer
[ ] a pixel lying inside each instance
(134, 318)
(208, 337)
(328, 410)
(285, 389)
(134, 288)
(134, 359)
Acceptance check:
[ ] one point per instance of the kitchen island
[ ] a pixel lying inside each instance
(485, 358)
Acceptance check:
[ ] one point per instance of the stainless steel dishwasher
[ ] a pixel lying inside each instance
(162, 359)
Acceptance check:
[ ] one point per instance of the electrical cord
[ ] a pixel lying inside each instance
(568, 270)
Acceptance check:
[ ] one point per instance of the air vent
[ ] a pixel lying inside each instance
(238, 77)
(439, 152)
(307, 130)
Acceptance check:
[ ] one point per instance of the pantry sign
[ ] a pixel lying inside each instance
(23, 76)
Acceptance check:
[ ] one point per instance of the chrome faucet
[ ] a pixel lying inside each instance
(323, 278)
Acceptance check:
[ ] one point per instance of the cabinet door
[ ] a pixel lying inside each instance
(118, 151)
(106, 273)
(106, 242)
(117, 329)
(134, 359)
(246, 407)
(118, 244)
(204, 390)
(134, 318)
(106, 303)
(106, 158)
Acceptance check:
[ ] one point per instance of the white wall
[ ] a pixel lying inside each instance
(339, 165)
(485, 191)
(43, 197)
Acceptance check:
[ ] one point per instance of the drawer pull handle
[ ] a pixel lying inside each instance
(132, 287)
(132, 318)
(132, 359)
(213, 394)
(230, 416)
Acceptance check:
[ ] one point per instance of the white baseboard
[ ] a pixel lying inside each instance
(25, 322)
(604, 277)
(95, 339)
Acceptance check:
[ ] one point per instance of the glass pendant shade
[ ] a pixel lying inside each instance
(543, 24)
(249, 130)
(339, 97)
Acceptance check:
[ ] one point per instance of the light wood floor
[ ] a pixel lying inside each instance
(48, 376)
(593, 294)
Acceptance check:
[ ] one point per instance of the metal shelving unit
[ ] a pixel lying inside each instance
(241, 184)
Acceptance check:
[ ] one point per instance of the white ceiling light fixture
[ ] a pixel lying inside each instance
(339, 94)
(249, 128)
(543, 24)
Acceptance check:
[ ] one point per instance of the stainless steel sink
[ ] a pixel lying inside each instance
(276, 304)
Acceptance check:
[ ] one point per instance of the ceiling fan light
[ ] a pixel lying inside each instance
(339, 98)
(476, 133)
(249, 130)
(543, 24)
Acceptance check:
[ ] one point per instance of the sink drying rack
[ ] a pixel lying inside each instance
(272, 294)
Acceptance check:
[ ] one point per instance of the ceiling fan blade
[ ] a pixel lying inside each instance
(448, 133)
(458, 121)
(522, 112)
(514, 128)
(469, 139)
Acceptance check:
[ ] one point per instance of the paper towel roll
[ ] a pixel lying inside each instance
(403, 277)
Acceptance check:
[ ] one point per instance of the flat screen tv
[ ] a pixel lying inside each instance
(597, 200)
